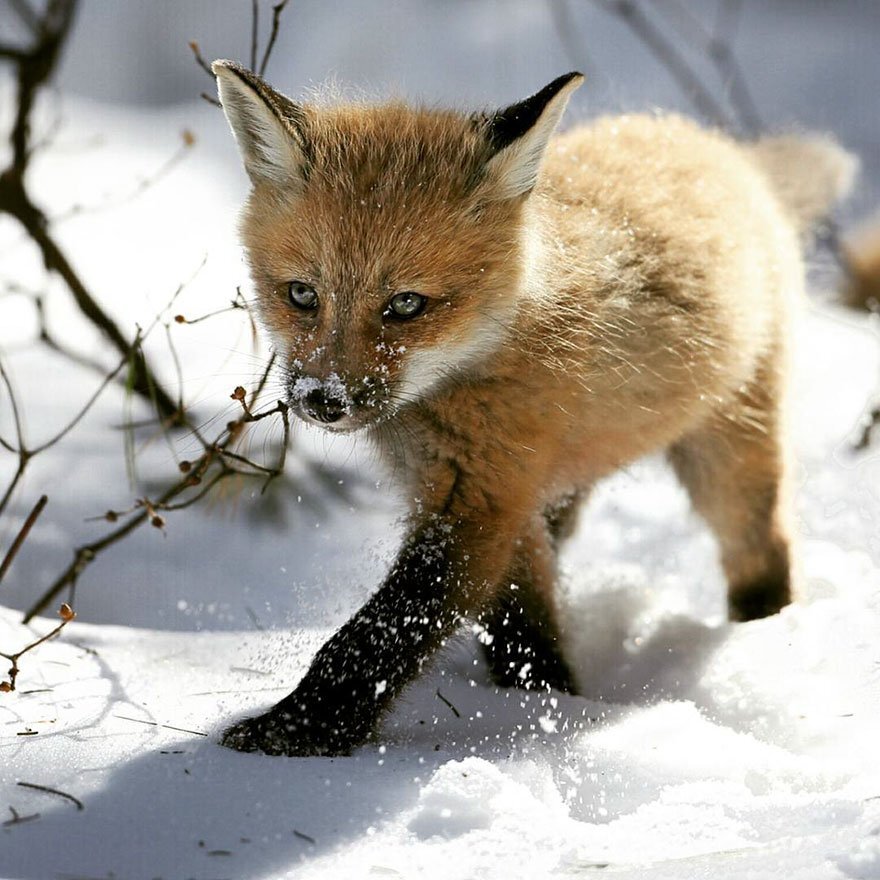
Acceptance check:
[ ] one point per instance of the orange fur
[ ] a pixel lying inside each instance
(635, 299)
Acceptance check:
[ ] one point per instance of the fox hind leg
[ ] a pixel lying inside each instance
(734, 469)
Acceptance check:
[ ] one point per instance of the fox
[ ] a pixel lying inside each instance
(509, 315)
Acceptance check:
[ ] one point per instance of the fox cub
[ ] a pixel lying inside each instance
(511, 316)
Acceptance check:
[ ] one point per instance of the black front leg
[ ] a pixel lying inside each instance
(358, 672)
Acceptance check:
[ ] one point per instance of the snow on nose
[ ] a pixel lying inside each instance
(324, 400)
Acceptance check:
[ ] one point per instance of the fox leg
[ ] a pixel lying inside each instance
(523, 646)
(734, 469)
(446, 571)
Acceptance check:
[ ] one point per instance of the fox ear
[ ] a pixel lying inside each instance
(518, 136)
(266, 125)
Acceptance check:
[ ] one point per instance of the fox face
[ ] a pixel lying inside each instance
(386, 243)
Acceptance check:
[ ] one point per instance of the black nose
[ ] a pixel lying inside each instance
(324, 407)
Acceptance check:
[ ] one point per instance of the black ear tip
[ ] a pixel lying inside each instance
(505, 126)
(562, 81)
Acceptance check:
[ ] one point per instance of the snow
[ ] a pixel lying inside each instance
(699, 749)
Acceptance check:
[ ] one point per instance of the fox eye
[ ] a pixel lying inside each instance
(302, 295)
(406, 305)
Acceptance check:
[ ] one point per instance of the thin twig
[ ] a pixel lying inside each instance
(62, 794)
(22, 535)
(67, 615)
(197, 52)
(165, 726)
(454, 710)
(35, 67)
(196, 476)
(194, 46)
(81, 414)
(18, 819)
(255, 27)
(277, 9)
(27, 15)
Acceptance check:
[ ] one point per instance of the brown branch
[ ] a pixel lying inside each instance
(277, 9)
(47, 790)
(19, 448)
(11, 53)
(157, 724)
(27, 15)
(46, 337)
(35, 66)
(18, 819)
(200, 60)
(67, 614)
(449, 704)
(182, 319)
(15, 201)
(197, 52)
(21, 537)
(195, 476)
(255, 27)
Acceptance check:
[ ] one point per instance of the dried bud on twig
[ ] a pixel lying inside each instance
(65, 612)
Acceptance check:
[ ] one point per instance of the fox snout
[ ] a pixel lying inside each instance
(332, 402)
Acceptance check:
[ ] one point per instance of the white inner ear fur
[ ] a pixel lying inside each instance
(514, 170)
(267, 148)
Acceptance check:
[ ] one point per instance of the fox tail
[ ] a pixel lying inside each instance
(808, 173)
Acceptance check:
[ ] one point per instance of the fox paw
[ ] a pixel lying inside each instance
(280, 734)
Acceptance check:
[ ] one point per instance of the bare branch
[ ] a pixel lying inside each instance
(277, 9)
(34, 68)
(67, 614)
(21, 537)
(47, 790)
(255, 28)
(197, 52)
(27, 15)
(217, 457)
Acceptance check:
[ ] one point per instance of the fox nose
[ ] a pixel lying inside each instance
(324, 407)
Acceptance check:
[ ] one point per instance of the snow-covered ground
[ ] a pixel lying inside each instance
(699, 749)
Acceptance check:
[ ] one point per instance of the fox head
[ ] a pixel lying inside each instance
(386, 243)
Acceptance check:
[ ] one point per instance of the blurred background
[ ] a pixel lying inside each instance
(808, 64)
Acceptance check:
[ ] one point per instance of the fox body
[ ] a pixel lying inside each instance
(512, 316)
